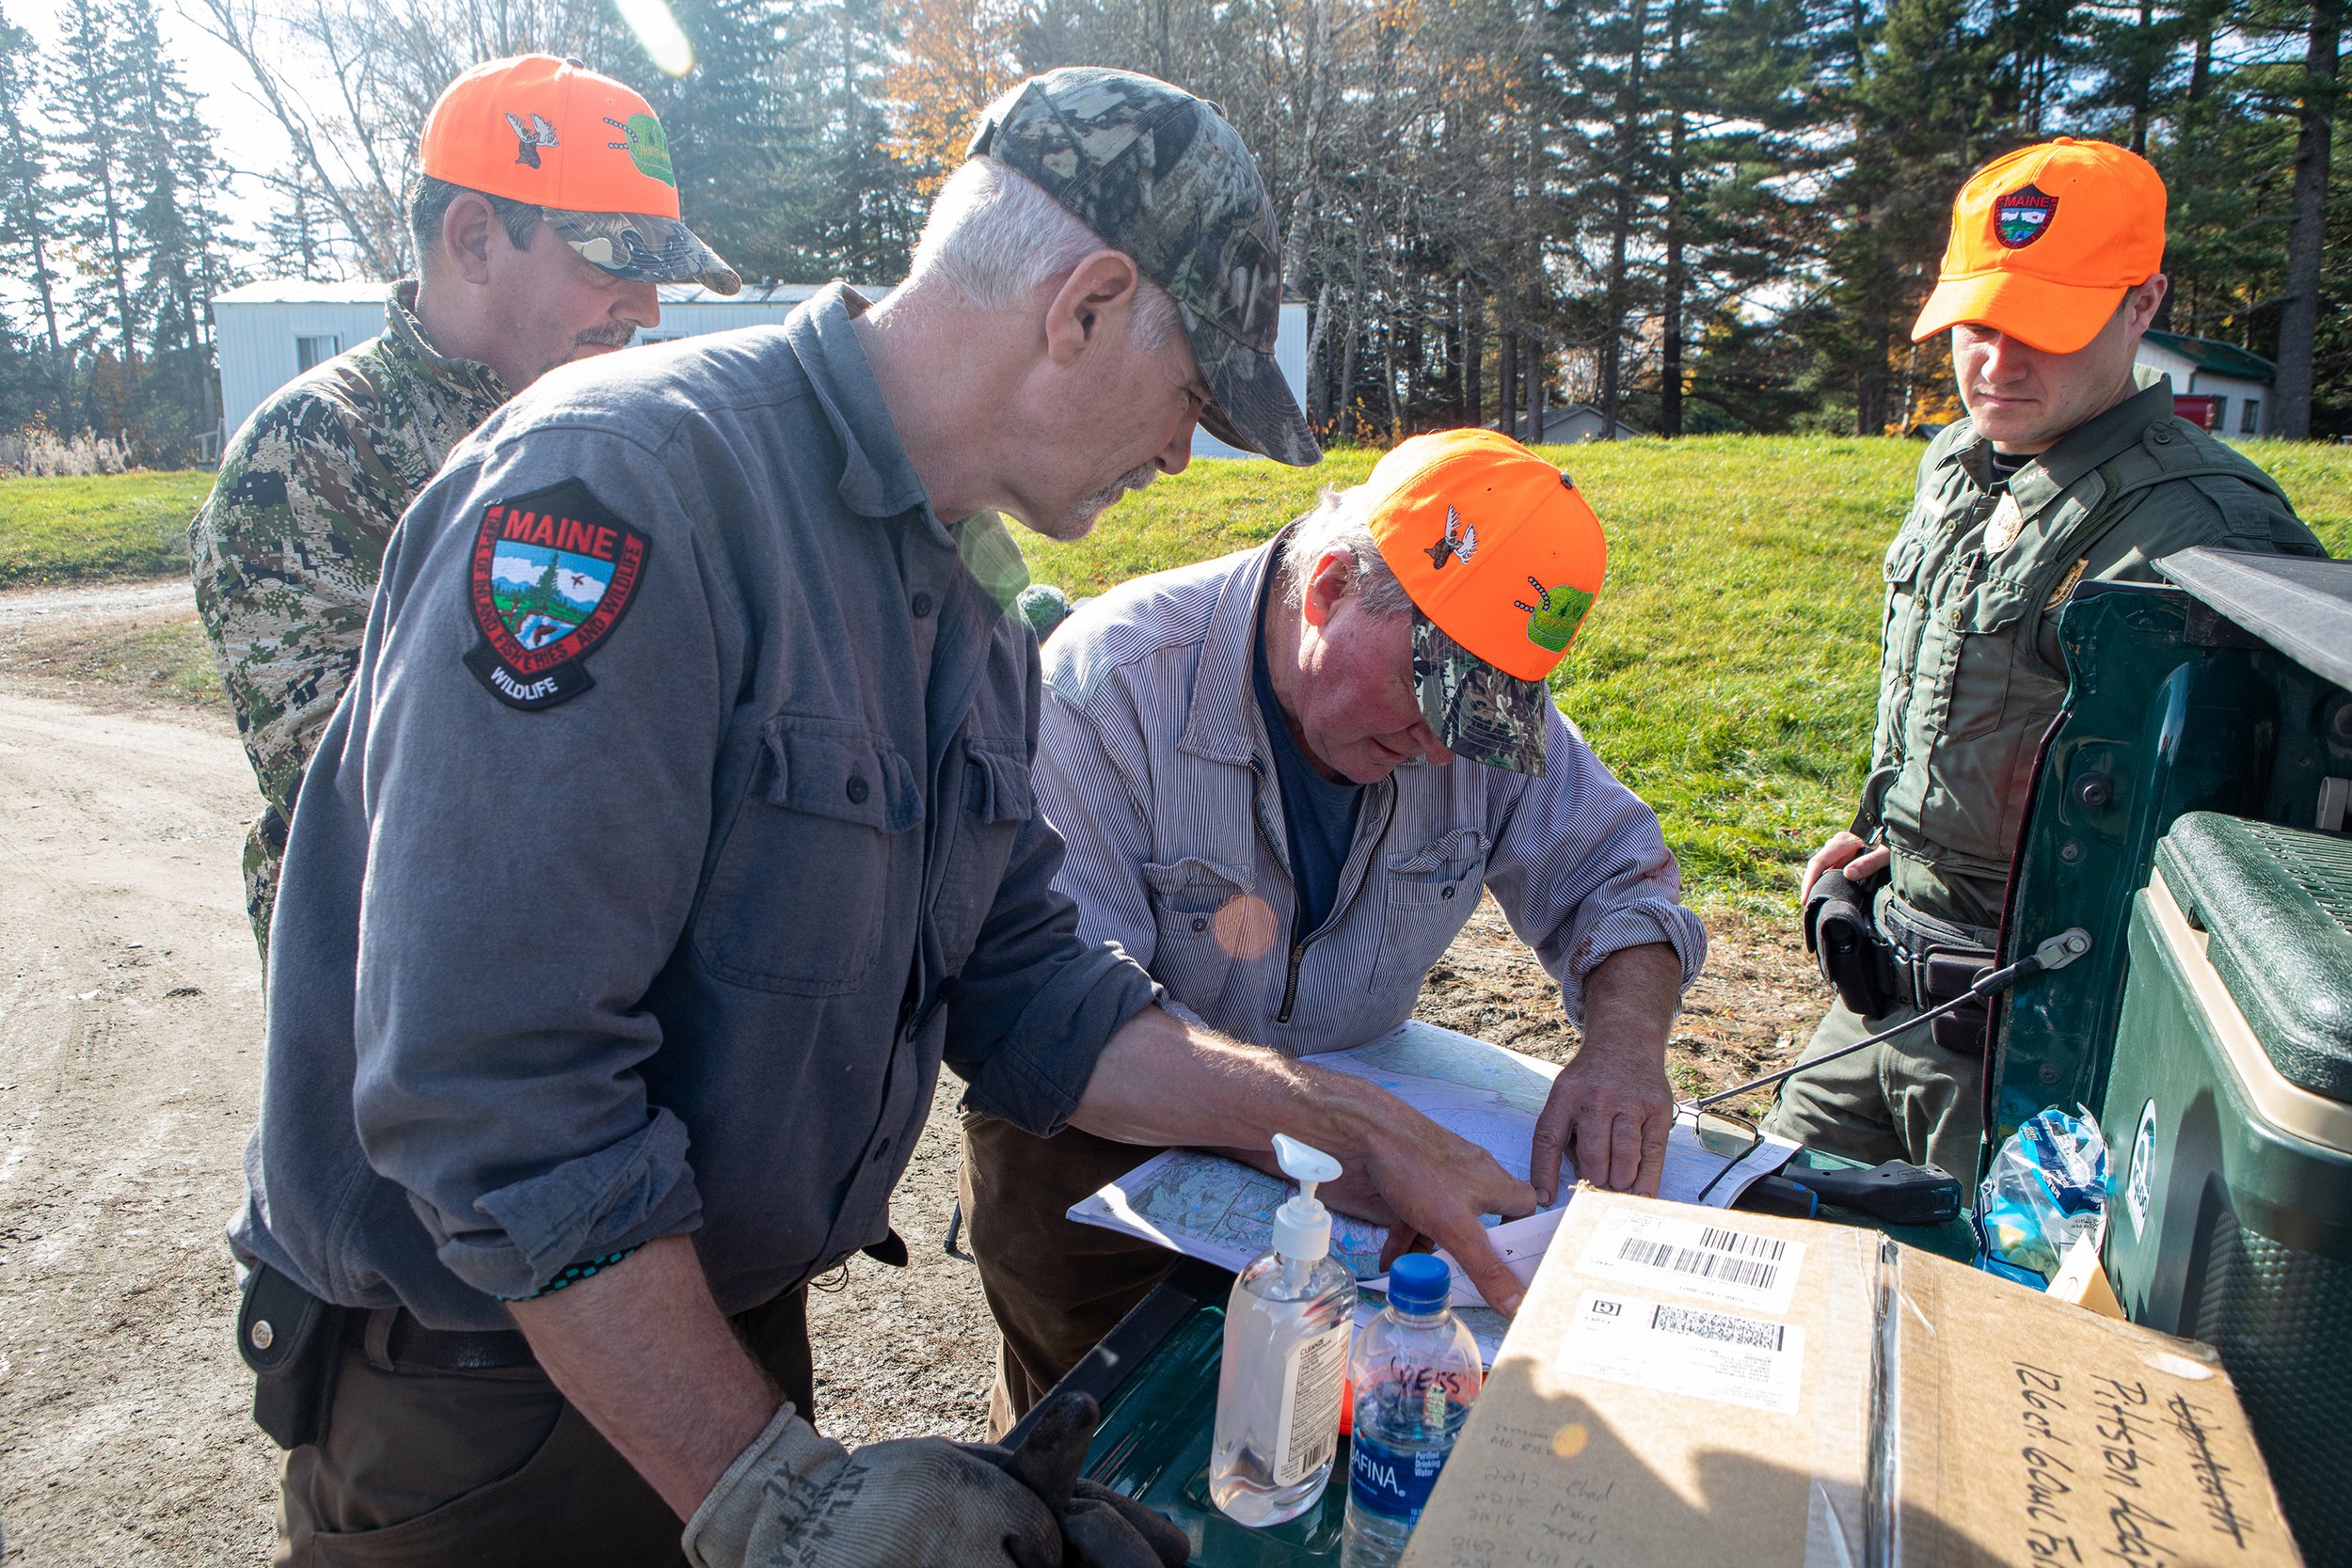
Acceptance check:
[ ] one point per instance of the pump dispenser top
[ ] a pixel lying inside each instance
(1302, 1225)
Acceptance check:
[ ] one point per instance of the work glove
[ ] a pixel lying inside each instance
(794, 1499)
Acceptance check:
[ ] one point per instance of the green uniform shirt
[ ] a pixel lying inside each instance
(286, 550)
(1971, 676)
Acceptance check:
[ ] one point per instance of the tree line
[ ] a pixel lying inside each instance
(1695, 215)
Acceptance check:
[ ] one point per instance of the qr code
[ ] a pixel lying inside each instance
(1751, 1332)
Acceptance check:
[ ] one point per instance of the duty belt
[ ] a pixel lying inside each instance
(1934, 961)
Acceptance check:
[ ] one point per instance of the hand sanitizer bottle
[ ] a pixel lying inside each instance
(1286, 1335)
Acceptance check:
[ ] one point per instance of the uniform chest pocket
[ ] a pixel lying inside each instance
(796, 901)
(1205, 918)
(997, 799)
(1977, 644)
(1431, 892)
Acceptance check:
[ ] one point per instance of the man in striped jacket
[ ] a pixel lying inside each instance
(1248, 761)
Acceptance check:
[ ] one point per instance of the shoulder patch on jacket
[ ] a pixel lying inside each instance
(553, 572)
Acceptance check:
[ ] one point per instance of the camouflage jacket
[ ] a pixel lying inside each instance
(1971, 673)
(286, 550)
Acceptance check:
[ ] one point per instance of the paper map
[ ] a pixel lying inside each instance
(1208, 1207)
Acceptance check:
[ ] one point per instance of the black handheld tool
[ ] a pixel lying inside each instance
(1897, 1193)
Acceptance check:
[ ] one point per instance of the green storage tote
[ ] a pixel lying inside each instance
(2227, 1115)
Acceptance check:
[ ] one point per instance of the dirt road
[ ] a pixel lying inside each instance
(130, 1057)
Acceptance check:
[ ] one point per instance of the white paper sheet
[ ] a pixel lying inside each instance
(1208, 1207)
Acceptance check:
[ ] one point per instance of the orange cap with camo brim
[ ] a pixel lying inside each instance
(586, 149)
(1502, 557)
(2046, 242)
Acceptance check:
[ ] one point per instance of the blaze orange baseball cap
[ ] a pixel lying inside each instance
(2047, 240)
(582, 148)
(1502, 557)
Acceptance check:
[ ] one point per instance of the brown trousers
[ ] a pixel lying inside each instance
(1055, 1287)
(420, 1466)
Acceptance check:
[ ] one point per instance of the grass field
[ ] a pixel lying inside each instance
(55, 531)
(1729, 669)
(1727, 672)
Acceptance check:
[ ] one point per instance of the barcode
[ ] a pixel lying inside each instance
(1740, 1241)
(1306, 1462)
(1716, 1325)
(1705, 1264)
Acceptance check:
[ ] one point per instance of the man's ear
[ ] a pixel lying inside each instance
(2145, 301)
(1100, 287)
(468, 231)
(1332, 582)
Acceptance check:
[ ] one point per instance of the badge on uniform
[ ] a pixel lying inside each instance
(2009, 520)
(553, 572)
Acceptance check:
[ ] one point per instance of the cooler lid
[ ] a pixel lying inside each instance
(2276, 904)
(2300, 605)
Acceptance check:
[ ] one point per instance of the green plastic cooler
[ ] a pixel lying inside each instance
(2227, 1115)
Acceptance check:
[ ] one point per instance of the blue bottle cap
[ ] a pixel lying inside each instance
(1420, 1283)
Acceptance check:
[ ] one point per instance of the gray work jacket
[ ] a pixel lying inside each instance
(681, 948)
(1157, 769)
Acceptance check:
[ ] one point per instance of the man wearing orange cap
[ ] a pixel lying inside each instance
(544, 213)
(2067, 469)
(1247, 759)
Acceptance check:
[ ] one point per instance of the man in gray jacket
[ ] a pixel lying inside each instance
(677, 828)
(1247, 759)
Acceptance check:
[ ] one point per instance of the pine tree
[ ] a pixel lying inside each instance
(27, 214)
(87, 86)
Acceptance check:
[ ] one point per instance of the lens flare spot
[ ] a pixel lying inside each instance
(1247, 927)
(658, 33)
(1569, 1440)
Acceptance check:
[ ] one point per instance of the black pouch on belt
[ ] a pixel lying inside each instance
(293, 1341)
(1950, 974)
(1845, 941)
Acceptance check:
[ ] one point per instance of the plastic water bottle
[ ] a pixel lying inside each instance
(1285, 1366)
(1415, 1372)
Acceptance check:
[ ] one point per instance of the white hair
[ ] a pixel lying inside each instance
(993, 235)
(1340, 523)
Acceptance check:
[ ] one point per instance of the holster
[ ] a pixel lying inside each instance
(293, 1341)
(1844, 941)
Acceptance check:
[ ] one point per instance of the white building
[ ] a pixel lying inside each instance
(2217, 385)
(270, 332)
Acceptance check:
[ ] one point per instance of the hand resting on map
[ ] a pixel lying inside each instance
(1163, 1082)
(1610, 1108)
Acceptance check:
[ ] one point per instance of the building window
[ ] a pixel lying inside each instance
(2220, 414)
(316, 351)
(2250, 420)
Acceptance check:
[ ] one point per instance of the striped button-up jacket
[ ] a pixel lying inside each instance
(1153, 764)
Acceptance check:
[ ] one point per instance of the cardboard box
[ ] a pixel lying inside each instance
(1688, 1387)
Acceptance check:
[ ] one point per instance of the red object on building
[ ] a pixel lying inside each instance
(2197, 411)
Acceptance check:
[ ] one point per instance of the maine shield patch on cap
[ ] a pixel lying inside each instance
(553, 572)
(2023, 216)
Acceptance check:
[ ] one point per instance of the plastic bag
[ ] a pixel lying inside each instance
(2047, 1187)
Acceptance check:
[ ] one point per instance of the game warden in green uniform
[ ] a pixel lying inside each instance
(2066, 469)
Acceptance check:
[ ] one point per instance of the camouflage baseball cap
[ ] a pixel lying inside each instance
(643, 248)
(1477, 711)
(1161, 176)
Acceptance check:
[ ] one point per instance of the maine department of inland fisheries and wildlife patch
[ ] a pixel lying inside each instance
(553, 572)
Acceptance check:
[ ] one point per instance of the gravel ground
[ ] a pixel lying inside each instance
(129, 1070)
